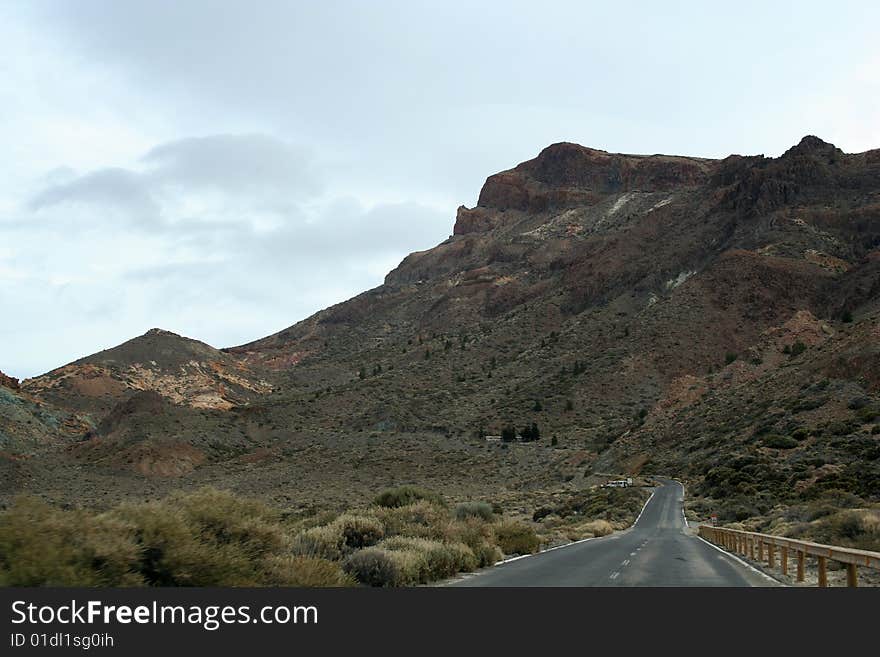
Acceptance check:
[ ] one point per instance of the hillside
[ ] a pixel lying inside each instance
(650, 313)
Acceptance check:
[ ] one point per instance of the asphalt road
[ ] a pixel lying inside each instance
(657, 550)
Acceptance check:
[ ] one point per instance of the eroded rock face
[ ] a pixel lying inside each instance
(9, 382)
(567, 175)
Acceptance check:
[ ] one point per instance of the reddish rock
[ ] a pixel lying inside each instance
(9, 382)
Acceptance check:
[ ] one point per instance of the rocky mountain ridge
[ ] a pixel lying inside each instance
(600, 296)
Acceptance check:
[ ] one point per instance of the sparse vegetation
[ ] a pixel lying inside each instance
(516, 538)
(480, 510)
(215, 538)
(405, 495)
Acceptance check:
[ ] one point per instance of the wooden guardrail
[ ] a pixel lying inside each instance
(763, 547)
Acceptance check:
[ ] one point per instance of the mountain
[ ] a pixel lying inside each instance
(183, 370)
(650, 312)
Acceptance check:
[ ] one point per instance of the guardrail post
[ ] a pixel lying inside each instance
(852, 575)
(800, 567)
(751, 547)
(784, 560)
(771, 555)
(823, 571)
(760, 549)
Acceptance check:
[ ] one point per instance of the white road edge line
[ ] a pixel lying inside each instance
(744, 563)
(722, 551)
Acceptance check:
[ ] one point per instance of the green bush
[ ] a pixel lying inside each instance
(405, 495)
(780, 442)
(868, 413)
(798, 348)
(516, 538)
(474, 510)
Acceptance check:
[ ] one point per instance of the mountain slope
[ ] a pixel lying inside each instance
(616, 301)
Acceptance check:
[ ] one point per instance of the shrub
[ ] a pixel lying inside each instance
(508, 434)
(800, 434)
(780, 442)
(325, 542)
(479, 536)
(419, 519)
(435, 559)
(405, 495)
(474, 510)
(801, 405)
(530, 433)
(204, 538)
(487, 554)
(868, 413)
(360, 531)
(336, 539)
(374, 567)
(599, 528)
(307, 572)
(730, 357)
(516, 538)
(44, 546)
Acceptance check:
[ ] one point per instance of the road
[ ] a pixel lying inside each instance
(657, 550)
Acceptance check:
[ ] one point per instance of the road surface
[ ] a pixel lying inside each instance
(657, 550)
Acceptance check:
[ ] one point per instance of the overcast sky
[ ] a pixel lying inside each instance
(224, 169)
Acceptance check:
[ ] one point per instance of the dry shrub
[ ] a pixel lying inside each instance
(435, 559)
(45, 546)
(406, 495)
(325, 542)
(422, 518)
(377, 567)
(360, 531)
(479, 536)
(480, 510)
(598, 528)
(204, 538)
(306, 572)
(333, 541)
(516, 538)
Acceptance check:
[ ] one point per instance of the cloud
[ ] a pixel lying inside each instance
(233, 163)
(112, 188)
(222, 237)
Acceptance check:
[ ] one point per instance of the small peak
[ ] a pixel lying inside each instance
(812, 145)
(158, 331)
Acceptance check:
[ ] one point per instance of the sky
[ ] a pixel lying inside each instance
(225, 169)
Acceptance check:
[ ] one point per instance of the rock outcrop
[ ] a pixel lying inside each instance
(9, 382)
